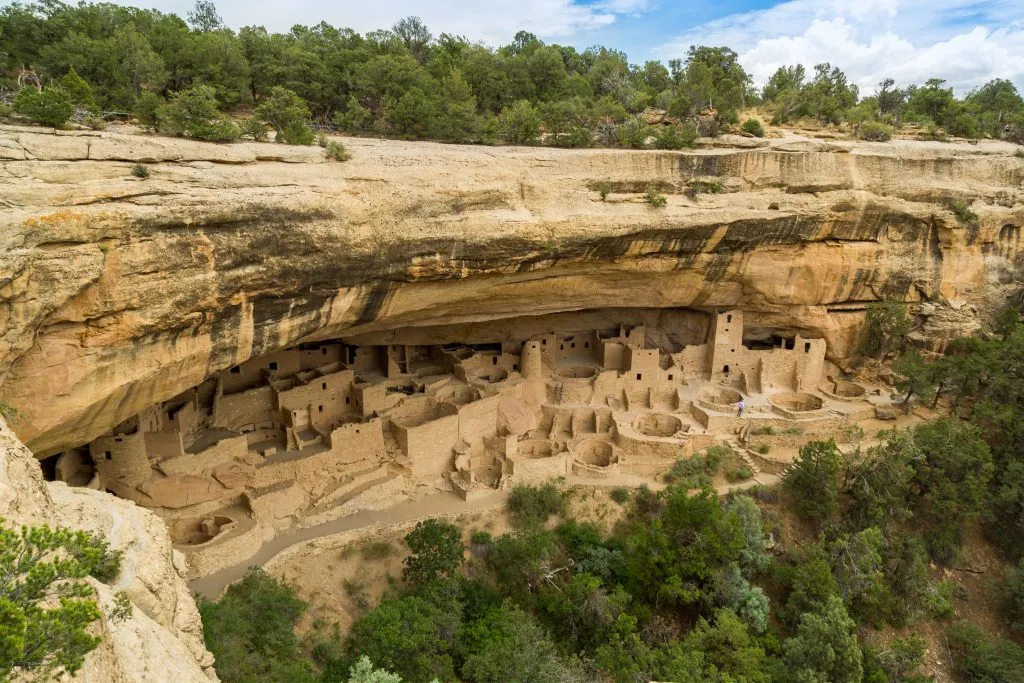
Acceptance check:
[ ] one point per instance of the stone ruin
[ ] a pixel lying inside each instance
(315, 432)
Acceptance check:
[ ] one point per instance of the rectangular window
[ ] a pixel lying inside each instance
(670, 378)
(323, 385)
(272, 365)
(236, 370)
(639, 376)
(807, 347)
(108, 455)
(323, 350)
(573, 345)
(494, 361)
(321, 409)
(515, 368)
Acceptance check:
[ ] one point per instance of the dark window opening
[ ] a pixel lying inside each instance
(348, 400)
(515, 367)
(323, 350)
(586, 345)
(321, 409)
(236, 370)
(807, 347)
(357, 431)
(639, 376)
(561, 347)
(272, 365)
(117, 439)
(726, 369)
(573, 345)
(494, 361)
(732, 350)
(544, 342)
(670, 378)
(728, 318)
(108, 455)
(323, 385)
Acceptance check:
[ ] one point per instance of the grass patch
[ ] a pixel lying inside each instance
(737, 471)
(604, 188)
(356, 590)
(140, 171)
(377, 550)
(762, 431)
(533, 505)
(764, 449)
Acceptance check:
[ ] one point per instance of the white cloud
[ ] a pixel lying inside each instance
(909, 40)
(492, 21)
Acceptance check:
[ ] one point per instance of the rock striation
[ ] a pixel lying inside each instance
(117, 292)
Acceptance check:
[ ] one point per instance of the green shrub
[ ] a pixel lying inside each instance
(481, 537)
(655, 198)
(251, 631)
(962, 211)
(979, 658)
(519, 123)
(5, 111)
(193, 113)
(766, 430)
(335, 151)
(698, 469)
(147, 108)
(253, 128)
(737, 472)
(46, 607)
(706, 186)
(604, 188)
(763, 449)
(753, 127)
(140, 171)
(51, 107)
(95, 123)
(676, 137)
(532, 505)
(873, 131)
(437, 551)
(620, 494)
(812, 480)
(1011, 597)
(296, 133)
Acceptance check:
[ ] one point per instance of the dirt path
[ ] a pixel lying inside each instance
(431, 506)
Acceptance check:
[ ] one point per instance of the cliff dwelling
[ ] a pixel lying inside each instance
(329, 427)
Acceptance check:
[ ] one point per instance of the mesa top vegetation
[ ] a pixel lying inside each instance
(406, 82)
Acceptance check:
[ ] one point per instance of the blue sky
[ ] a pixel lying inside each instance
(967, 43)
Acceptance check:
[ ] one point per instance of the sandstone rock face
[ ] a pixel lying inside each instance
(117, 293)
(163, 639)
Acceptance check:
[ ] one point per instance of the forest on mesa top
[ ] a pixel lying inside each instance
(407, 82)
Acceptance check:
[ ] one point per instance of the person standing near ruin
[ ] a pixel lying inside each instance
(739, 412)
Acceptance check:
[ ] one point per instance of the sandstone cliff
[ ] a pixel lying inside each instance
(163, 639)
(118, 292)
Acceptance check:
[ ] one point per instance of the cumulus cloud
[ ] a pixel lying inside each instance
(909, 40)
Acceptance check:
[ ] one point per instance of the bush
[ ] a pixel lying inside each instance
(676, 137)
(251, 631)
(409, 636)
(604, 188)
(46, 607)
(1011, 597)
(698, 469)
(335, 151)
(51, 107)
(753, 127)
(147, 108)
(655, 198)
(377, 550)
(519, 123)
(620, 494)
(812, 480)
(737, 472)
(193, 113)
(873, 131)
(981, 659)
(533, 505)
(437, 551)
(140, 171)
(253, 128)
(962, 211)
(287, 114)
